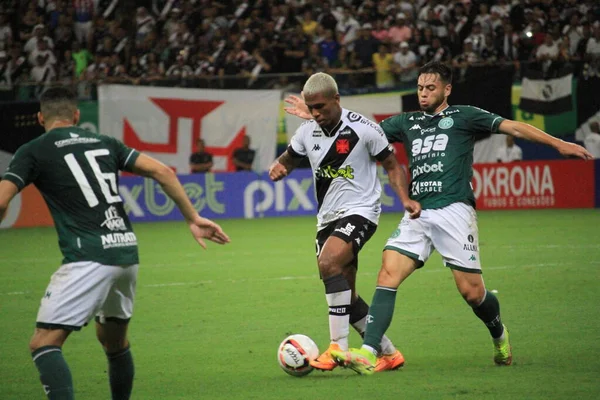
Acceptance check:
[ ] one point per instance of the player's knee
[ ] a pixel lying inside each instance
(114, 345)
(328, 266)
(473, 295)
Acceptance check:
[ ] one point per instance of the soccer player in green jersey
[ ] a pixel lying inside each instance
(77, 173)
(439, 142)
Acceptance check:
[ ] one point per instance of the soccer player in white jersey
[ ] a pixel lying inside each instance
(77, 173)
(343, 147)
(439, 142)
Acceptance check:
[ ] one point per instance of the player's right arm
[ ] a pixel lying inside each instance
(21, 171)
(201, 228)
(8, 191)
(290, 158)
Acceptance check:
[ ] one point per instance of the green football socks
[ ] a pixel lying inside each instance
(380, 316)
(54, 373)
(489, 312)
(120, 373)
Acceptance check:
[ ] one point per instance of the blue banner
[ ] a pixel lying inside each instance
(234, 195)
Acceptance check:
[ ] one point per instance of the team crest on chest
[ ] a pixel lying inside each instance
(342, 146)
(446, 123)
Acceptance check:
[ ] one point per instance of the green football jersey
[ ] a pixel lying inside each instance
(76, 172)
(440, 151)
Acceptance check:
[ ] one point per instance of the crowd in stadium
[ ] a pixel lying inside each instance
(78, 41)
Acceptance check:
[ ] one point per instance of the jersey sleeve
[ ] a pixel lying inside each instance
(126, 156)
(297, 148)
(377, 144)
(22, 169)
(484, 122)
(393, 128)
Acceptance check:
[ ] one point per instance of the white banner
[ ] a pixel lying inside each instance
(166, 122)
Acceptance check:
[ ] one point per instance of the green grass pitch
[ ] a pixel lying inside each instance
(207, 323)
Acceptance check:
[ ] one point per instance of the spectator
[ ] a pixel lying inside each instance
(28, 23)
(5, 73)
(379, 32)
(348, 28)
(43, 51)
(546, 54)
(592, 53)
(364, 47)
(437, 52)
(42, 73)
(39, 34)
(66, 70)
(82, 58)
(509, 44)
(243, 157)
(329, 47)
(476, 37)
(144, 23)
(6, 34)
(574, 31)
(509, 152)
(400, 32)
(180, 69)
(314, 62)
(201, 161)
(592, 139)
(406, 64)
(309, 25)
(383, 63)
(464, 60)
(84, 13)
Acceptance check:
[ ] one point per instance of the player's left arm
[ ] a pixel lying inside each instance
(8, 191)
(525, 131)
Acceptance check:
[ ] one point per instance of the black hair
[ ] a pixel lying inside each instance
(58, 102)
(436, 67)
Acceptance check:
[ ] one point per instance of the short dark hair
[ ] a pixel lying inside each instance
(436, 67)
(58, 102)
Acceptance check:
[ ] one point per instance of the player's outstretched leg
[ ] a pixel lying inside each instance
(389, 358)
(489, 312)
(46, 352)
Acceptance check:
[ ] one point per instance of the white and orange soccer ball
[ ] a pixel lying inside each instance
(294, 354)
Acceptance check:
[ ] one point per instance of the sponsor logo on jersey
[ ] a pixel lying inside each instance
(345, 132)
(418, 188)
(353, 117)
(118, 240)
(427, 130)
(415, 126)
(73, 135)
(113, 220)
(452, 112)
(446, 123)
(317, 133)
(316, 147)
(77, 140)
(330, 172)
(342, 146)
(470, 247)
(426, 168)
(346, 230)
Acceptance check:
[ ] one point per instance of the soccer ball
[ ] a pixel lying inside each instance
(294, 354)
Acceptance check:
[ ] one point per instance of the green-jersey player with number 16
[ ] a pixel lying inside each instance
(77, 173)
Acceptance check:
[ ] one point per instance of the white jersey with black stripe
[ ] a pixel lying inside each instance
(344, 166)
